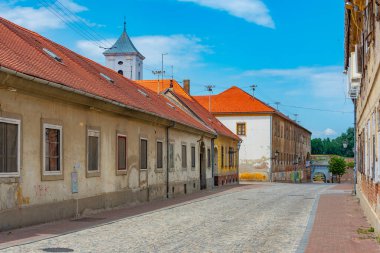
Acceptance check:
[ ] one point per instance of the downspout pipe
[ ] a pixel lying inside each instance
(355, 150)
(167, 158)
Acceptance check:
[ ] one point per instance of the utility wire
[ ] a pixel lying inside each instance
(74, 22)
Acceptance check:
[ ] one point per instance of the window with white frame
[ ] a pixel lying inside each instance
(52, 149)
(121, 152)
(9, 147)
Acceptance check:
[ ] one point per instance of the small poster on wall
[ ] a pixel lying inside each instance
(74, 182)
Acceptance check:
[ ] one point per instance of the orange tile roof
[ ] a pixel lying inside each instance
(236, 101)
(161, 85)
(21, 50)
(204, 115)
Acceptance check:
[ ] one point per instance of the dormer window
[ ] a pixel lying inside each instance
(107, 78)
(52, 55)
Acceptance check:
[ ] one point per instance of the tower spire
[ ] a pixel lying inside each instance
(125, 25)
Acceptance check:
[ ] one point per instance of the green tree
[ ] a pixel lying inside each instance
(337, 166)
(334, 146)
(316, 146)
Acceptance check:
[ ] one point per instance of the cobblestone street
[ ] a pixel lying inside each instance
(272, 218)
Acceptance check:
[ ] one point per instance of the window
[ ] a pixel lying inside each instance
(241, 129)
(93, 150)
(52, 149)
(171, 155)
(120, 72)
(208, 158)
(9, 147)
(230, 157)
(192, 157)
(184, 156)
(120, 62)
(222, 156)
(139, 76)
(159, 155)
(143, 154)
(121, 152)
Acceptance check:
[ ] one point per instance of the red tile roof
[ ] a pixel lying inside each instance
(236, 101)
(22, 50)
(204, 115)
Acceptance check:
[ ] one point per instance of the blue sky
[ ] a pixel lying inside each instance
(292, 50)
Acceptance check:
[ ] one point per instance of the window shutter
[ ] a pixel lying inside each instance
(2, 147)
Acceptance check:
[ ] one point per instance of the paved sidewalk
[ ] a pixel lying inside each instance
(50, 230)
(335, 228)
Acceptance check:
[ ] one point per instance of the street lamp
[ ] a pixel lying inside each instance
(345, 144)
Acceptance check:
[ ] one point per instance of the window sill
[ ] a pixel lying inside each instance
(52, 177)
(9, 179)
(159, 170)
(121, 172)
(92, 174)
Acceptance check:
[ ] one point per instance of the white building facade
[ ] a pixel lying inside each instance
(255, 149)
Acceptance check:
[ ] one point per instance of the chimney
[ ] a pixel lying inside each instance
(186, 86)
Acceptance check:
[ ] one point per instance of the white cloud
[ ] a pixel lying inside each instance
(323, 82)
(72, 6)
(38, 18)
(329, 132)
(254, 11)
(182, 50)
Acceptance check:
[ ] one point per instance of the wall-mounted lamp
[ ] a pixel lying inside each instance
(350, 6)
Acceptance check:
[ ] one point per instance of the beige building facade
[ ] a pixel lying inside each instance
(76, 137)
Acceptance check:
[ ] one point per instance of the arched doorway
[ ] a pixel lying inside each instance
(319, 177)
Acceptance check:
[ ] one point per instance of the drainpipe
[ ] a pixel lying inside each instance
(167, 158)
(355, 153)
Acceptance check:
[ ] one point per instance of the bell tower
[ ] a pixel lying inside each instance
(124, 58)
